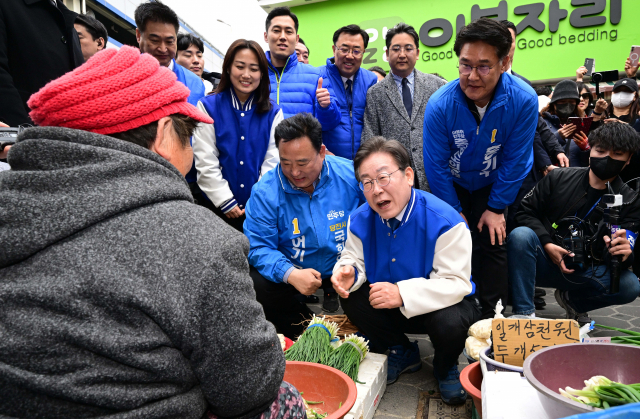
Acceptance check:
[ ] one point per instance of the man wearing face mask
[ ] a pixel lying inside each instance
(577, 192)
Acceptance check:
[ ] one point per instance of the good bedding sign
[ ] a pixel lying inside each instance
(554, 36)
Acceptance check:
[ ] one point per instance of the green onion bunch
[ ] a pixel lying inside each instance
(603, 393)
(348, 356)
(314, 345)
(632, 339)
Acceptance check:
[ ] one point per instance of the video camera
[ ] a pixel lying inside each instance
(8, 136)
(601, 77)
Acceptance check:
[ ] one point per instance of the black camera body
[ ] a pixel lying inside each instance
(8, 136)
(577, 245)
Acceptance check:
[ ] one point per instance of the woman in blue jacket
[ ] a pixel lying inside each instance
(239, 147)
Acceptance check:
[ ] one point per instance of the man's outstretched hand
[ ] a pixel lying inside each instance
(343, 280)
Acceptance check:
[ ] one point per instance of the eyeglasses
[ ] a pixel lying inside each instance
(586, 96)
(466, 69)
(345, 51)
(407, 48)
(383, 179)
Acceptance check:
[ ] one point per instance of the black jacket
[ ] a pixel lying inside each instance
(38, 43)
(560, 194)
(545, 146)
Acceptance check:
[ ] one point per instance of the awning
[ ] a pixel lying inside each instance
(605, 87)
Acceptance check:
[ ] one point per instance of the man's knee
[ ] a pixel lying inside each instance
(629, 287)
(453, 320)
(521, 238)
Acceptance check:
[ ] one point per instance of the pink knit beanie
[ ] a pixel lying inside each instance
(114, 91)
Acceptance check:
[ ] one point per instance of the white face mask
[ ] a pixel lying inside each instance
(622, 99)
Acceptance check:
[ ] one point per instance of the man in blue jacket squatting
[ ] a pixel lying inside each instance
(296, 223)
(478, 148)
(406, 268)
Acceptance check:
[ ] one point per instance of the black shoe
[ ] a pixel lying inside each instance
(539, 292)
(311, 299)
(330, 303)
(539, 302)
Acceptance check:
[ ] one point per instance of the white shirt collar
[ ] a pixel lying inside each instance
(171, 65)
(509, 71)
(344, 80)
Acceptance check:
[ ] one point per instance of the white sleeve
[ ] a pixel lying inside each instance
(449, 281)
(352, 255)
(206, 153)
(272, 158)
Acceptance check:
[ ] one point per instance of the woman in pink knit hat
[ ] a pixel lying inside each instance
(119, 296)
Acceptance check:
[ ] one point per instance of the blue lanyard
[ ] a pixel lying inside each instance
(587, 214)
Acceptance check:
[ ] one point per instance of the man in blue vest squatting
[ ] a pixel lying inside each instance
(157, 34)
(350, 83)
(478, 148)
(406, 268)
(296, 220)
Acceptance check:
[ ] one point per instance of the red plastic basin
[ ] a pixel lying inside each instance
(471, 380)
(322, 383)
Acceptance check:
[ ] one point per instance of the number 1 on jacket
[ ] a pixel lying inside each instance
(296, 230)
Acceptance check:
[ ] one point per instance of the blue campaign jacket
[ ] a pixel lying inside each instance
(499, 151)
(412, 244)
(295, 91)
(288, 228)
(192, 81)
(196, 87)
(230, 125)
(344, 140)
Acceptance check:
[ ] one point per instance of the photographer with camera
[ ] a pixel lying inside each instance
(562, 240)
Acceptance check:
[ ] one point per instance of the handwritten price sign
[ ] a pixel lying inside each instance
(515, 339)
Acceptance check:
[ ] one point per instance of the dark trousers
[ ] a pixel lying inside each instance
(447, 328)
(200, 199)
(489, 267)
(281, 305)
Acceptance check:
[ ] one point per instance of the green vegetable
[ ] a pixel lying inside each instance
(628, 332)
(314, 345)
(310, 402)
(349, 355)
(599, 391)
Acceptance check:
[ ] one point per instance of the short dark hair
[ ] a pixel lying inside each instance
(145, 135)
(615, 137)
(509, 25)
(352, 30)
(262, 92)
(298, 126)
(543, 90)
(155, 11)
(378, 70)
(185, 40)
(300, 41)
(402, 28)
(281, 11)
(381, 145)
(488, 31)
(95, 28)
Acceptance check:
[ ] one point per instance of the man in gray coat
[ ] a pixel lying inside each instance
(119, 297)
(396, 105)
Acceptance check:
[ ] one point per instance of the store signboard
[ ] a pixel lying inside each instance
(554, 36)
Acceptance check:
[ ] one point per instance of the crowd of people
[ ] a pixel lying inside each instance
(160, 226)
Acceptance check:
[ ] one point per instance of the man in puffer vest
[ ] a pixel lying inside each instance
(296, 87)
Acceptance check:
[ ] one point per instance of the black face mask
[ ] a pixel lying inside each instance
(565, 110)
(606, 167)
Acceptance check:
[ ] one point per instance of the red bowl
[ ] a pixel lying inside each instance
(321, 383)
(471, 380)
